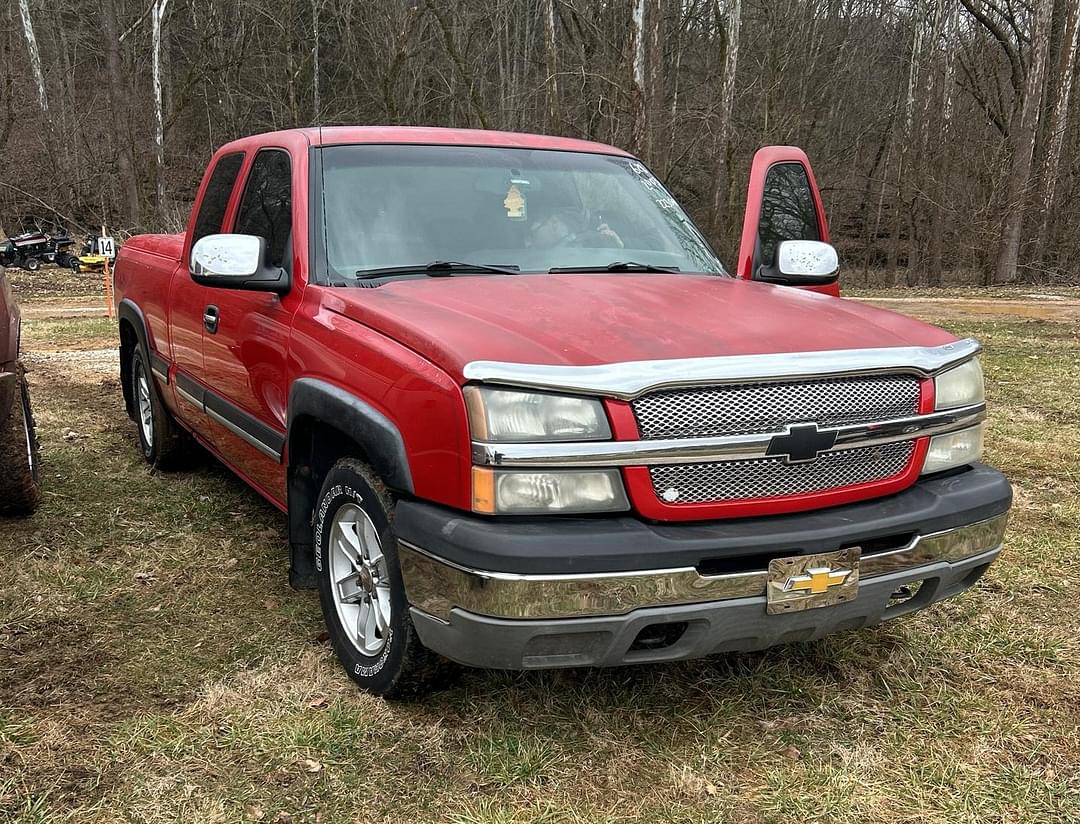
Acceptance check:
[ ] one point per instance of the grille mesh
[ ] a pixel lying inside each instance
(754, 408)
(773, 478)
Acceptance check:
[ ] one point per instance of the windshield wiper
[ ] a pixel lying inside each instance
(617, 266)
(437, 269)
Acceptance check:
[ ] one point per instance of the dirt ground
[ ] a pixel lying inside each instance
(155, 665)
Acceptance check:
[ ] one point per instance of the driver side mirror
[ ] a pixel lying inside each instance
(802, 263)
(236, 262)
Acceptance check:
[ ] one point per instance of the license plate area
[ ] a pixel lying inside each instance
(812, 581)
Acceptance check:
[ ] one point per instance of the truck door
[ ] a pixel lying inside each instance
(782, 203)
(186, 298)
(245, 339)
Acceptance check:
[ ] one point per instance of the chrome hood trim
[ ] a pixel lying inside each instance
(631, 379)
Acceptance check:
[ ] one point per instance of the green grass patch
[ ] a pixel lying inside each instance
(155, 666)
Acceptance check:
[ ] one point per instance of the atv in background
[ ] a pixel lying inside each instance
(20, 469)
(31, 249)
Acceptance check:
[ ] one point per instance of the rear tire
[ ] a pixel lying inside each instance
(361, 591)
(32, 264)
(20, 458)
(162, 442)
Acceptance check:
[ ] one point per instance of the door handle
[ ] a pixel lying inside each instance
(210, 319)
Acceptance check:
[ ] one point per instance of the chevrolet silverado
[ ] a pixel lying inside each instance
(519, 415)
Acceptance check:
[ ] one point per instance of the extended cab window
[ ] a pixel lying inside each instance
(266, 209)
(216, 197)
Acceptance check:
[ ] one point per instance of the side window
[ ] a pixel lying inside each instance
(787, 210)
(266, 208)
(216, 197)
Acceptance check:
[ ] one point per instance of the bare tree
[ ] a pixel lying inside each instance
(731, 17)
(1059, 122)
(157, 17)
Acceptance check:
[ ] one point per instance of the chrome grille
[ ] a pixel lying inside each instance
(754, 408)
(773, 478)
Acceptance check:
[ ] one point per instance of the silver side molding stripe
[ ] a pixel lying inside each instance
(631, 379)
(719, 448)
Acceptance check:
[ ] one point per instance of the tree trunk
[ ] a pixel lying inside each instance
(637, 81)
(125, 159)
(1058, 125)
(551, 55)
(1023, 133)
(905, 171)
(942, 166)
(655, 103)
(721, 145)
(35, 57)
(156, 20)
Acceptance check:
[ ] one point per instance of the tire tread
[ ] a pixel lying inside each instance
(20, 491)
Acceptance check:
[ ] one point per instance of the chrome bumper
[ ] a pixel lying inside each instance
(436, 586)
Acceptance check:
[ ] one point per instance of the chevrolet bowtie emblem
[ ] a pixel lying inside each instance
(802, 442)
(817, 580)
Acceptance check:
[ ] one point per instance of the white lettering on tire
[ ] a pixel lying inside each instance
(324, 507)
(366, 672)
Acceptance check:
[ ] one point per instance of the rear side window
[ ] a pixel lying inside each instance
(216, 197)
(266, 209)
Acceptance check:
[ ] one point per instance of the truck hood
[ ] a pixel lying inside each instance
(589, 319)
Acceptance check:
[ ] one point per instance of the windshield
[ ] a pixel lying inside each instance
(522, 209)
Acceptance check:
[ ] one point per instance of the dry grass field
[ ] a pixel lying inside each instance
(155, 665)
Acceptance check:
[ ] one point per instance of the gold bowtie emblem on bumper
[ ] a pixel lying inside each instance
(816, 581)
(810, 581)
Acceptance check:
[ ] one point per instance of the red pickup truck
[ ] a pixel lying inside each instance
(520, 416)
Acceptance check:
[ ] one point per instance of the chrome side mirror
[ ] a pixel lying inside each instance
(227, 256)
(236, 262)
(801, 262)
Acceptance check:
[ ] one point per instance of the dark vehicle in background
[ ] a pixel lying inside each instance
(31, 249)
(20, 471)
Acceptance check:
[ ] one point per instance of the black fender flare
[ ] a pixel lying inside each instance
(129, 311)
(361, 423)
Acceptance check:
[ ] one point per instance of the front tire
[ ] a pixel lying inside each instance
(20, 458)
(360, 588)
(32, 264)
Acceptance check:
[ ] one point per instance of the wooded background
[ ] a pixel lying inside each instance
(941, 131)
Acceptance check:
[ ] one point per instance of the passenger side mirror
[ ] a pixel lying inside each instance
(802, 262)
(236, 262)
(784, 209)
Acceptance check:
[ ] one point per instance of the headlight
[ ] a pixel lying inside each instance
(514, 416)
(960, 386)
(497, 492)
(954, 449)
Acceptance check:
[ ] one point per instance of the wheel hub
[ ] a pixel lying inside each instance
(367, 580)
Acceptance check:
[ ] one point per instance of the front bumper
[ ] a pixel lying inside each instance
(576, 592)
(693, 630)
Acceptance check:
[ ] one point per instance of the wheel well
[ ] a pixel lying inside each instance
(314, 446)
(129, 339)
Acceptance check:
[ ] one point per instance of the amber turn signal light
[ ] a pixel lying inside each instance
(483, 490)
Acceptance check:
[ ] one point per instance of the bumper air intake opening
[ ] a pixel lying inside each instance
(904, 594)
(658, 636)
